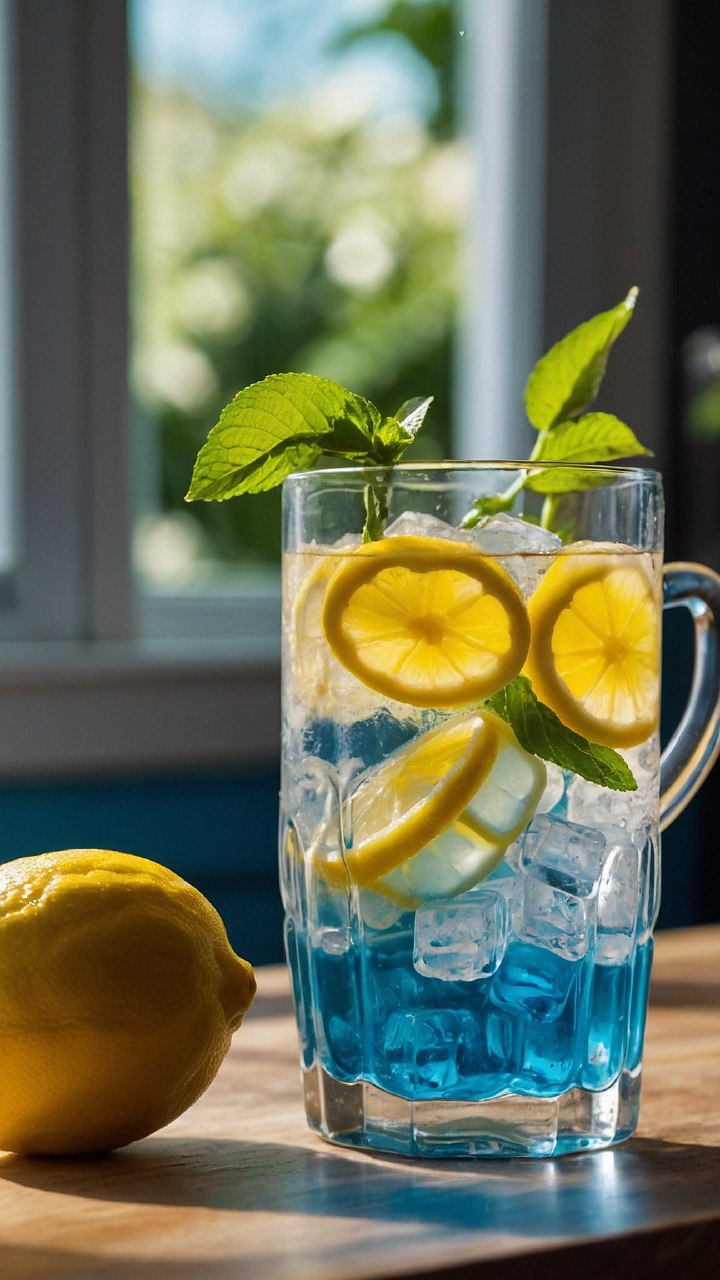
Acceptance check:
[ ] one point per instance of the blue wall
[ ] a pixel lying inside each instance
(220, 833)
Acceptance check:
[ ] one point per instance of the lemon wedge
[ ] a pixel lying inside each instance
(436, 816)
(595, 648)
(426, 621)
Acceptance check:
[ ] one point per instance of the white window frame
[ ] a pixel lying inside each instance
(86, 694)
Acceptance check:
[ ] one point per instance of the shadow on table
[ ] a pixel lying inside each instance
(559, 1208)
(601, 1193)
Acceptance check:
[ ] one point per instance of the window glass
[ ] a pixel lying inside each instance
(298, 183)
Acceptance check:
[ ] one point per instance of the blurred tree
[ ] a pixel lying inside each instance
(307, 236)
(430, 29)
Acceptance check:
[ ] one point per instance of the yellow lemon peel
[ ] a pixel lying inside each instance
(595, 648)
(413, 829)
(426, 621)
(119, 995)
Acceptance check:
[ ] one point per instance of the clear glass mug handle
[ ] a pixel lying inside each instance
(694, 746)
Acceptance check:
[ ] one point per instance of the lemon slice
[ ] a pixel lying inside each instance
(426, 621)
(414, 795)
(436, 816)
(321, 686)
(595, 646)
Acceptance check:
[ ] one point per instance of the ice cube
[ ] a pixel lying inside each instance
(331, 940)
(589, 803)
(533, 982)
(391, 983)
(513, 855)
(376, 911)
(618, 894)
(461, 941)
(554, 791)
(524, 550)
(644, 761)
(557, 920)
(420, 1050)
(505, 879)
(421, 524)
(348, 541)
(314, 797)
(509, 535)
(564, 855)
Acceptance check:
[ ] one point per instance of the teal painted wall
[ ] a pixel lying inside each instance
(220, 833)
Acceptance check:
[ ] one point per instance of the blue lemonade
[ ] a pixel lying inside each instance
(465, 922)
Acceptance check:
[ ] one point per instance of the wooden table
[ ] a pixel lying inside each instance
(239, 1188)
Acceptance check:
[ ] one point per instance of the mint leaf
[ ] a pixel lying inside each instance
(594, 437)
(390, 440)
(291, 422)
(567, 378)
(285, 423)
(540, 732)
(393, 435)
(411, 414)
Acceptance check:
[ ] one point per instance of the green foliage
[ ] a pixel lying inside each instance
(563, 383)
(567, 378)
(430, 28)
(250, 230)
(596, 437)
(285, 423)
(540, 732)
(293, 421)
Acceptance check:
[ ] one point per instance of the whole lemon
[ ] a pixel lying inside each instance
(119, 995)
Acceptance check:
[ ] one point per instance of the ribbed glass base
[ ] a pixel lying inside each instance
(361, 1115)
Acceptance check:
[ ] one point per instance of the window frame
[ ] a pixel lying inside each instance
(89, 693)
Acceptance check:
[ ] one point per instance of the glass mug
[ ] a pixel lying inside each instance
(468, 923)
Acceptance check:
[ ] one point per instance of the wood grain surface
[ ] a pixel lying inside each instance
(239, 1189)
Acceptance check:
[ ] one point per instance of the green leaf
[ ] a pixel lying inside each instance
(592, 438)
(540, 732)
(285, 423)
(595, 438)
(411, 414)
(390, 440)
(567, 378)
(393, 435)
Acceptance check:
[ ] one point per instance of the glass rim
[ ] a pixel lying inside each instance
(453, 467)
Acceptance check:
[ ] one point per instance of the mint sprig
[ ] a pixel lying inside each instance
(540, 732)
(293, 422)
(563, 384)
